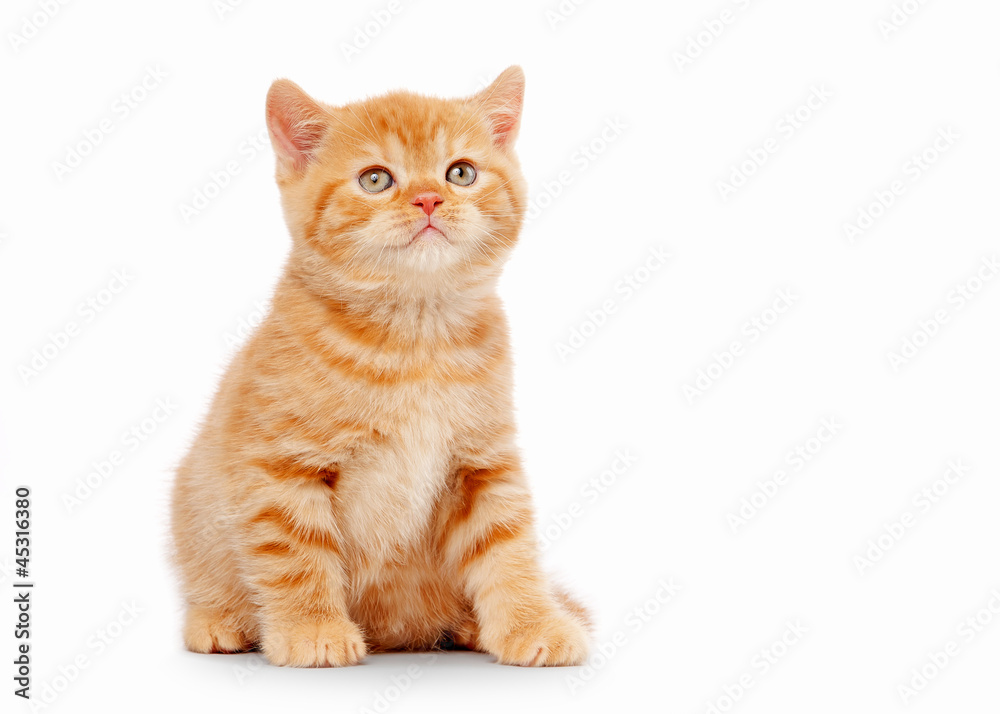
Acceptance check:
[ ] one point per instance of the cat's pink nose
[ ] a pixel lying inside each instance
(428, 200)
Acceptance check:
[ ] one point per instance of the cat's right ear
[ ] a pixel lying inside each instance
(296, 123)
(501, 102)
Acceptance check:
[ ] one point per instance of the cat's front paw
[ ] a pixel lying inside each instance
(314, 643)
(554, 639)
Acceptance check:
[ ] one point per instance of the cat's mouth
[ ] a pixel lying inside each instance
(429, 234)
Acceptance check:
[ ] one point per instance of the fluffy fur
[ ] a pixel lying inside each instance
(356, 485)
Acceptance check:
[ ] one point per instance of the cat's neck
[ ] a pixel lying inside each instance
(397, 315)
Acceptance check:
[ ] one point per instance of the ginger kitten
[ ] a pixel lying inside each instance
(356, 486)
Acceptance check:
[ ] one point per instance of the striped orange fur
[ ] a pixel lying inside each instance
(356, 485)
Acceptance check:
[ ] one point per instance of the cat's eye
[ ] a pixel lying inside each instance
(375, 180)
(461, 173)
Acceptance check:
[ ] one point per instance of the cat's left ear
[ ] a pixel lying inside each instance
(296, 123)
(502, 102)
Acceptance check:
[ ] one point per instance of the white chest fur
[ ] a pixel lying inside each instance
(388, 494)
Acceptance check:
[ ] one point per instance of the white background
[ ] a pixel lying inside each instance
(194, 286)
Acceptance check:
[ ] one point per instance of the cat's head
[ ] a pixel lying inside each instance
(401, 188)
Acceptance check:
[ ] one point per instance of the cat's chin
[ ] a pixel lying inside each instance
(427, 251)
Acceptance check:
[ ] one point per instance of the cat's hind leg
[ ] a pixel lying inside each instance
(217, 630)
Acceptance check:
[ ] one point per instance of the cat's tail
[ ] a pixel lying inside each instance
(574, 607)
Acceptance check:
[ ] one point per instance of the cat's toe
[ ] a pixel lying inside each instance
(314, 643)
(556, 639)
(211, 630)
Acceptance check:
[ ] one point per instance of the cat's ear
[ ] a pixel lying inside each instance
(502, 102)
(296, 123)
